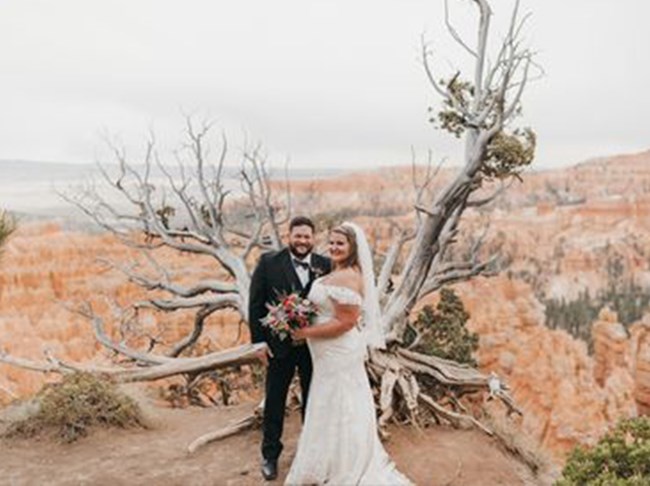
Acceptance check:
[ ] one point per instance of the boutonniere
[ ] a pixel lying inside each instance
(317, 271)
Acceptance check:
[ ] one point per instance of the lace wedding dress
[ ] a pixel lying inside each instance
(339, 444)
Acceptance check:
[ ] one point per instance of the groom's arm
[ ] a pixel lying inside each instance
(257, 301)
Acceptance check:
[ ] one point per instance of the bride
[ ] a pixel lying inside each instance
(339, 443)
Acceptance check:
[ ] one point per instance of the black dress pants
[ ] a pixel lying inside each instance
(279, 374)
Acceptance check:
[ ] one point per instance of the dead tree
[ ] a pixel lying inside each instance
(194, 208)
(481, 110)
(204, 204)
(410, 386)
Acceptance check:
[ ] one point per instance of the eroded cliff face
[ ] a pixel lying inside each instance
(611, 346)
(639, 363)
(552, 376)
(46, 272)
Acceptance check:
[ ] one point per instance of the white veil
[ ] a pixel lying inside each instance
(371, 325)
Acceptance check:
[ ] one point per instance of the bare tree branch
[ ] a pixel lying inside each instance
(202, 287)
(454, 32)
(238, 356)
(457, 274)
(223, 301)
(103, 339)
(28, 364)
(475, 203)
(197, 330)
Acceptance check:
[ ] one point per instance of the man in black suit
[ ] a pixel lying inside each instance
(292, 269)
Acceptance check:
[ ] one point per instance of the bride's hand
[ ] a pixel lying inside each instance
(298, 334)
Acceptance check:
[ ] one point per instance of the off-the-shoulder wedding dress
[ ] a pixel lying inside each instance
(339, 444)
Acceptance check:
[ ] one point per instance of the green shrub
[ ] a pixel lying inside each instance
(7, 226)
(76, 404)
(442, 330)
(622, 457)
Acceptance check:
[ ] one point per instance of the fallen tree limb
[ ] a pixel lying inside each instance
(250, 421)
(240, 355)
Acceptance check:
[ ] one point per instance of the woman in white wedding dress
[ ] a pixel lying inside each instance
(339, 443)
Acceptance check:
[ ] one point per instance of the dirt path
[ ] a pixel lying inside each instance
(439, 456)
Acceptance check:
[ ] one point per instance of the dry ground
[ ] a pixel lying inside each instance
(437, 456)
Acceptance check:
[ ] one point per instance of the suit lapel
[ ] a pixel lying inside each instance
(290, 271)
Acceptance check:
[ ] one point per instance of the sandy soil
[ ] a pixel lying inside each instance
(437, 456)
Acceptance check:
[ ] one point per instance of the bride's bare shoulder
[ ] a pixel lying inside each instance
(347, 277)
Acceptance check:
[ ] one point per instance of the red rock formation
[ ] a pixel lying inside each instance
(551, 374)
(640, 357)
(610, 345)
(44, 268)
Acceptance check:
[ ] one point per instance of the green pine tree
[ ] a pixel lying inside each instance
(442, 330)
(622, 457)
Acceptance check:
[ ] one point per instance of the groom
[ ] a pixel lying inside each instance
(292, 269)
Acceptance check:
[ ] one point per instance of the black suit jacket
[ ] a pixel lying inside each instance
(273, 277)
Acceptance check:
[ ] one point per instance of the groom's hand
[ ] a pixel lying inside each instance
(263, 355)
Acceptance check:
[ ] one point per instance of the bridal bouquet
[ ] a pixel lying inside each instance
(291, 312)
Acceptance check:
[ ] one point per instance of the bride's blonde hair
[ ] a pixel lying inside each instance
(353, 258)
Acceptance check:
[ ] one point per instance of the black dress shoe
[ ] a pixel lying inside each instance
(269, 469)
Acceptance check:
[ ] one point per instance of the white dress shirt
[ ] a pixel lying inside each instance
(302, 272)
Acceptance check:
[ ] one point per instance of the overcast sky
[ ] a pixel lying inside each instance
(329, 83)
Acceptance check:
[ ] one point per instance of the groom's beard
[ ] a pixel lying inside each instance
(300, 251)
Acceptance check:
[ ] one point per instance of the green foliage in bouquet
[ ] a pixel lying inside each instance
(622, 457)
(442, 332)
(76, 404)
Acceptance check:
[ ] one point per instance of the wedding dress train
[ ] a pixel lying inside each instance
(339, 444)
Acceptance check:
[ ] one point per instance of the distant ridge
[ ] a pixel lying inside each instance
(26, 170)
(31, 170)
(29, 188)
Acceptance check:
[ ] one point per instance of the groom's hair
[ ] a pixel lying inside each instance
(301, 221)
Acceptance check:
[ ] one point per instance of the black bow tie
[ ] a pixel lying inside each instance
(300, 263)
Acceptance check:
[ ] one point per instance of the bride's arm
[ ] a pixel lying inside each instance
(345, 318)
